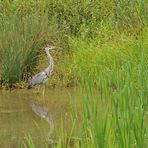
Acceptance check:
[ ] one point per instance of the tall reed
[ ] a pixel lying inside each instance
(22, 41)
(114, 93)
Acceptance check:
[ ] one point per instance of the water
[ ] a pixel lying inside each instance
(18, 119)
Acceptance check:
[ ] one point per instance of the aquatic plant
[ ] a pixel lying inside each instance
(105, 53)
(114, 93)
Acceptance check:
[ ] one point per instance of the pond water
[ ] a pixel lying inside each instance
(24, 112)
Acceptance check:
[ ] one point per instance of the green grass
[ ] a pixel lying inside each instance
(22, 41)
(113, 84)
(105, 50)
(27, 26)
(117, 117)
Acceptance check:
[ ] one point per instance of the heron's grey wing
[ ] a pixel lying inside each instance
(38, 79)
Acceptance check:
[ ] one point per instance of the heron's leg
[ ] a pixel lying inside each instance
(38, 89)
(43, 91)
(51, 124)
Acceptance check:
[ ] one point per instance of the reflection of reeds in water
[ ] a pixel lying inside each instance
(42, 112)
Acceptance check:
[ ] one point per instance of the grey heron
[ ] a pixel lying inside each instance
(43, 76)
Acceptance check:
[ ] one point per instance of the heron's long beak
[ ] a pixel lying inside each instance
(54, 47)
(51, 46)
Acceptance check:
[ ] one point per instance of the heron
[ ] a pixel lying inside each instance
(43, 112)
(43, 76)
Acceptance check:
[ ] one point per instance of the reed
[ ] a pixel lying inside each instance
(114, 93)
(22, 41)
(105, 52)
(32, 26)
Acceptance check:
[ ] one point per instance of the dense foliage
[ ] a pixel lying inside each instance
(105, 48)
(26, 26)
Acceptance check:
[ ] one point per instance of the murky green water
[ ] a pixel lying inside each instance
(17, 119)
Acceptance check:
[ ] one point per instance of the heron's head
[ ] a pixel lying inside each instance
(49, 47)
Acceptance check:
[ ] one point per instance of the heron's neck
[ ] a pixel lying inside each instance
(49, 69)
